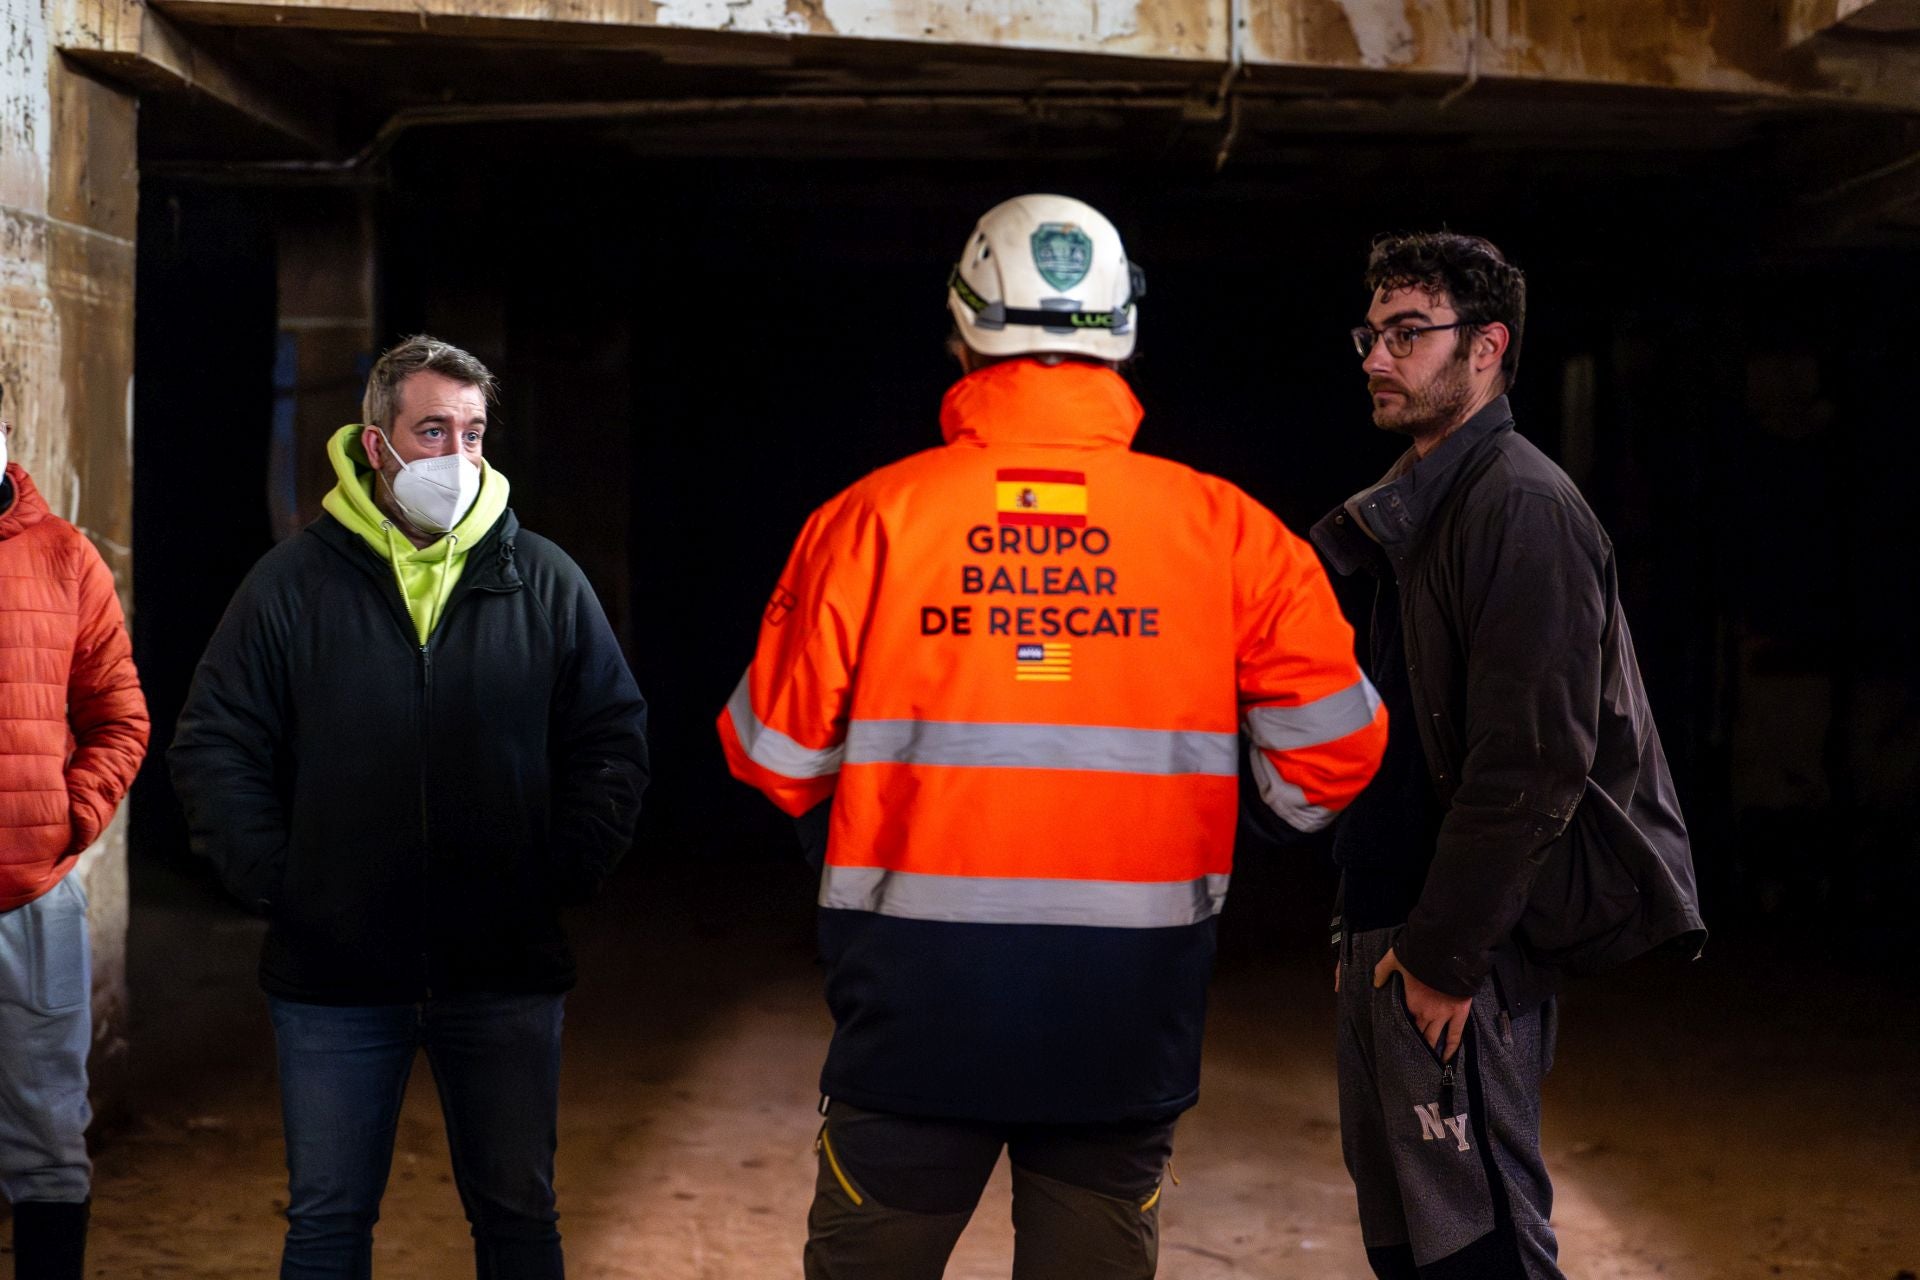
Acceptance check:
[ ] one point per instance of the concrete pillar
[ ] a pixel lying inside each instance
(68, 193)
(325, 345)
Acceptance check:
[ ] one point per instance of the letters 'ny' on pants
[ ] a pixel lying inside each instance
(343, 1072)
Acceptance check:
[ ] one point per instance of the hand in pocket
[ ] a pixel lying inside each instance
(1440, 1018)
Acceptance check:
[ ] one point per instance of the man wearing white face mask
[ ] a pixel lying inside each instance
(412, 737)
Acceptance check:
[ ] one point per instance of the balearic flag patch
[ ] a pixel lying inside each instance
(1051, 663)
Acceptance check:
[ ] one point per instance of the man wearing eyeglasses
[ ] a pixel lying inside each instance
(1523, 822)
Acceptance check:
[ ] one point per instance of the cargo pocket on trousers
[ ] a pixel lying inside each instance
(1167, 1175)
(824, 1145)
(59, 966)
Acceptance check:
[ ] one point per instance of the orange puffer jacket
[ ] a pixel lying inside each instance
(73, 726)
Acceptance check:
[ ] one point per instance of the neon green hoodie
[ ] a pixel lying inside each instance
(426, 574)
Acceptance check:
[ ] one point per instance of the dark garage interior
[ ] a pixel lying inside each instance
(704, 329)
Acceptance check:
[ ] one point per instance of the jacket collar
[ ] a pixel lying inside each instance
(28, 508)
(1078, 405)
(1394, 511)
(351, 501)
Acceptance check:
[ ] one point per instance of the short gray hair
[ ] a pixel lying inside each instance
(420, 353)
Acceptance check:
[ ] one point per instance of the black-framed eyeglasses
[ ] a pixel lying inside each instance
(1399, 338)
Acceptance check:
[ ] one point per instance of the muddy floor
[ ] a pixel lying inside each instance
(1738, 1117)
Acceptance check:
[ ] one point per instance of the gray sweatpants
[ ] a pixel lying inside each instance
(46, 1026)
(1445, 1158)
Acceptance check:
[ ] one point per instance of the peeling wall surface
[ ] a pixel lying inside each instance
(1183, 29)
(26, 140)
(1721, 45)
(67, 203)
(1822, 48)
(1167, 28)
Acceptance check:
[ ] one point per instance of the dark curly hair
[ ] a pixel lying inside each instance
(1476, 277)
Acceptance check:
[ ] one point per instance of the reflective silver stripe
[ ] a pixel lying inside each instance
(1111, 904)
(1043, 746)
(772, 749)
(1287, 800)
(1310, 724)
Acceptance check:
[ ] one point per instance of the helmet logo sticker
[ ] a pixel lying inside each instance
(1062, 253)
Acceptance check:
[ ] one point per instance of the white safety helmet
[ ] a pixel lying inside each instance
(1046, 274)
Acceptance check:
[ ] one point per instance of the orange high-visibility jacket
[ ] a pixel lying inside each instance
(1020, 666)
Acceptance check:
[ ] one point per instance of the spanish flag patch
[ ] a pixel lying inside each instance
(1050, 663)
(1031, 496)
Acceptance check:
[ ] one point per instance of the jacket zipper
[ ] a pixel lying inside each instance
(426, 840)
(459, 595)
(408, 628)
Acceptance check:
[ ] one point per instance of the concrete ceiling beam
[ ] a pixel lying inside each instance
(1807, 19)
(128, 42)
(1863, 203)
(1728, 47)
(1182, 30)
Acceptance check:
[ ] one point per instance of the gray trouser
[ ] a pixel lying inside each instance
(46, 1026)
(894, 1193)
(1445, 1158)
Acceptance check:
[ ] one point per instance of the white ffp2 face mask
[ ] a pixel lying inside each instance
(434, 493)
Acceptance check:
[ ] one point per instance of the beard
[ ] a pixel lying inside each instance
(1424, 410)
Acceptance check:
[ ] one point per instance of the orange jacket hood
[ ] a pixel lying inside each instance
(1076, 405)
(28, 507)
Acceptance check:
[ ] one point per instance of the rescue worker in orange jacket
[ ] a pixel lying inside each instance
(1019, 666)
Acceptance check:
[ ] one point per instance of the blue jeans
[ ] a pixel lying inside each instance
(343, 1071)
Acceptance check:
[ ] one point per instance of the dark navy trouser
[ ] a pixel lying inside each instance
(343, 1072)
(894, 1192)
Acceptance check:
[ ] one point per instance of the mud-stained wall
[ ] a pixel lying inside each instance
(1693, 44)
(1740, 47)
(67, 204)
(1186, 29)
(1808, 18)
(1160, 28)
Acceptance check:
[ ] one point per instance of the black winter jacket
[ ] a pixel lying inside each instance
(1561, 830)
(411, 816)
